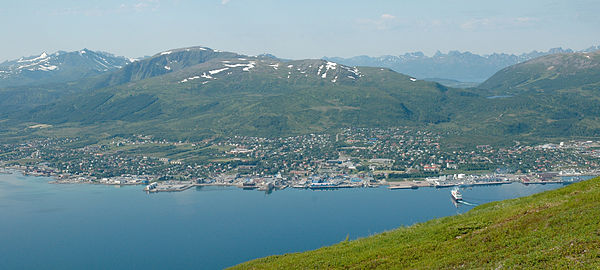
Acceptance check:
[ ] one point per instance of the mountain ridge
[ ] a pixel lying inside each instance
(58, 67)
(191, 93)
(454, 65)
(548, 73)
(222, 92)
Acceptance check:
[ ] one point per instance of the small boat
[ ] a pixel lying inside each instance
(456, 194)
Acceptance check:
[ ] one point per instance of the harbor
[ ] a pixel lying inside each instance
(270, 183)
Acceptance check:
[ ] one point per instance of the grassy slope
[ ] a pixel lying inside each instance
(548, 73)
(554, 229)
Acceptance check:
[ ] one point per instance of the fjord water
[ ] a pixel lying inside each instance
(49, 226)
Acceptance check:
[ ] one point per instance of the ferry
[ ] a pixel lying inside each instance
(456, 194)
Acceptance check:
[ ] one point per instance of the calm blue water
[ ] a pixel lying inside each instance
(48, 226)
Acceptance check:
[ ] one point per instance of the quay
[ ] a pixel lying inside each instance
(408, 185)
(175, 188)
(487, 183)
(269, 184)
(167, 187)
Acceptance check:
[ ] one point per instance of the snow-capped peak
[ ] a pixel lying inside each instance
(42, 56)
(63, 65)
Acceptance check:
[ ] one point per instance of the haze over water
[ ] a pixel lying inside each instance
(47, 226)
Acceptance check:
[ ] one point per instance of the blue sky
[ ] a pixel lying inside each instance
(297, 29)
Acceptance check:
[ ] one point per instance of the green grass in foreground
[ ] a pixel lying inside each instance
(552, 230)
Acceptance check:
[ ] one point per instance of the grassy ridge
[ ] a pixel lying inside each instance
(553, 229)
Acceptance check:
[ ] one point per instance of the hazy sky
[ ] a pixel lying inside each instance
(297, 29)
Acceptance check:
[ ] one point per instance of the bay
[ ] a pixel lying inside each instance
(50, 226)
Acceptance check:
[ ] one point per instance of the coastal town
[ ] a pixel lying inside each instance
(400, 158)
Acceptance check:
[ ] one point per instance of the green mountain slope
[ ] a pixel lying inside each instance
(226, 93)
(195, 92)
(160, 64)
(553, 95)
(549, 73)
(552, 230)
(54, 86)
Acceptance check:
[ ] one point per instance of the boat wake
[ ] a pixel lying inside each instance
(468, 203)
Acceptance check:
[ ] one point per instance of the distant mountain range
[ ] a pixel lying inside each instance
(58, 67)
(454, 69)
(195, 92)
(455, 65)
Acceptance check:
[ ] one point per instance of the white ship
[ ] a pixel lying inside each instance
(456, 194)
(151, 187)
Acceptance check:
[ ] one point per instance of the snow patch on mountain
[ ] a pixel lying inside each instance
(247, 66)
(236, 65)
(204, 75)
(47, 68)
(327, 66)
(190, 79)
(250, 66)
(216, 71)
(41, 57)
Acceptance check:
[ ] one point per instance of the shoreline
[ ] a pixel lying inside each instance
(179, 186)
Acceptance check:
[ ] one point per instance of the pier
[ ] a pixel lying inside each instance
(409, 185)
(169, 186)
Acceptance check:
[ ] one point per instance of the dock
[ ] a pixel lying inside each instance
(167, 187)
(408, 185)
(174, 188)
